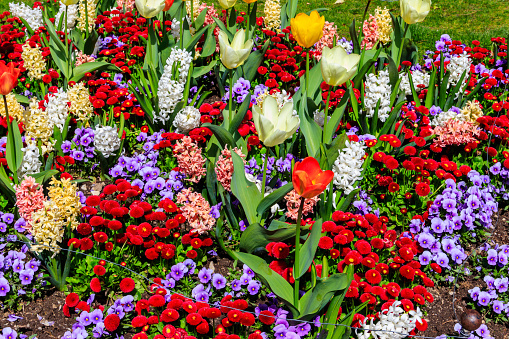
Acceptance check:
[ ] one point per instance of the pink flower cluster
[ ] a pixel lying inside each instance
(370, 31)
(224, 167)
(455, 132)
(327, 40)
(293, 203)
(129, 4)
(29, 198)
(82, 58)
(196, 209)
(189, 159)
(209, 19)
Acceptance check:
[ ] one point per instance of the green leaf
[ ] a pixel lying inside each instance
(250, 67)
(13, 153)
(196, 37)
(221, 25)
(332, 150)
(223, 136)
(276, 283)
(245, 190)
(430, 96)
(271, 199)
(240, 114)
(209, 47)
(255, 237)
(89, 67)
(355, 40)
(333, 309)
(346, 201)
(89, 46)
(393, 73)
(309, 128)
(308, 250)
(315, 299)
(199, 71)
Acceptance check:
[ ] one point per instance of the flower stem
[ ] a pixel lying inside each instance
(248, 15)
(402, 44)
(307, 72)
(325, 120)
(67, 52)
(296, 272)
(264, 173)
(230, 102)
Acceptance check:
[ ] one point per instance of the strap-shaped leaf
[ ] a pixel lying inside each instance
(223, 136)
(271, 199)
(89, 67)
(277, 283)
(308, 250)
(255, 237)
(245, 190)
(240, 114)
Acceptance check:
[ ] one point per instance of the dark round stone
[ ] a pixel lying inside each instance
(471, 320)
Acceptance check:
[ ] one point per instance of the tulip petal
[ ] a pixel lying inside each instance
(300, 181)
(309, 165)
(276, 137)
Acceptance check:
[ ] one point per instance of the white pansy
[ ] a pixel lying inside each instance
(348, 166)
(378, 88)
(106, 140)
(187, 119)
(171, 90)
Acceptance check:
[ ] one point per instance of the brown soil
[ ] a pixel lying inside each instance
(441, 317)
(53, 323)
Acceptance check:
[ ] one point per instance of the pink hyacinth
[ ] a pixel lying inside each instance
(129, 4)
(370, 31)
(224, 167)
(327, 40)
(455, 132)
(82, 58)
(293, 203)
(196, 209)
(29, 198)
(189, 159)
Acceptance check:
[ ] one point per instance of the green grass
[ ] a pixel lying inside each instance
(464, 20)
(4, 4)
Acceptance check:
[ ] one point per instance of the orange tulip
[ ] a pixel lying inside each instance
(167, 5)
(8, 78)
(308, 178)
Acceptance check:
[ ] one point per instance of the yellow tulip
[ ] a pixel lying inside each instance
(227, 3)
(307, 29)
(149, 8)
(413, 11)
(249, 1)
(233, 55)
(274, 125)
(338, 66)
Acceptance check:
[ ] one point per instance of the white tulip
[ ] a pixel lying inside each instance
(338, 66)
(233, 55)
(413, 11)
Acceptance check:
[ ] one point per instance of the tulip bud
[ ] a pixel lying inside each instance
(69, 2)
(234, 55)
(227, 3)
(307, 29)
(149, 8)
(337, 66)
(413, 11)
(308, 178)
(273, 125)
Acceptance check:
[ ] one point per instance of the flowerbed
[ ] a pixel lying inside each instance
(181, 171)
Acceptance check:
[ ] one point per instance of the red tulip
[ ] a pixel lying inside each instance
(8, 78)
(167, 4)
(308, 178)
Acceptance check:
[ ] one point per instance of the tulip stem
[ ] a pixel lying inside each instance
(182, 18)
(264, 172)
(296, 272)
(326, 115)
(307, 72)
(230, 102)
(248, 15)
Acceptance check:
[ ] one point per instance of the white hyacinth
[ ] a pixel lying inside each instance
(171, 91)
(418, 78)
(106, 140)
(441, 118)
(33, 16)
(175, 28)
(72, 16)
(57, 108)
(31, 163)
(394, 323)
(378, 88)
(457, 65)
(348, 166)
(187, 119)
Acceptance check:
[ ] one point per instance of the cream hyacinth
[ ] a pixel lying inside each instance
(81, 107)
(39, 127)
(60, 211)
(33, 61)
(85, 14)
(384, 22)
(470, 112)
(272, 17)
(16, 111)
